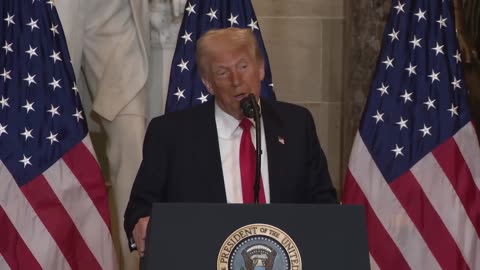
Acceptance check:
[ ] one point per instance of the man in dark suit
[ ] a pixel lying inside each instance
(193, 155)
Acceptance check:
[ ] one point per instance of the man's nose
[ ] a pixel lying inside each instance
(235, 78)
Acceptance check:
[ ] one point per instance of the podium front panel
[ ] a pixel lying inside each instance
(192, 236)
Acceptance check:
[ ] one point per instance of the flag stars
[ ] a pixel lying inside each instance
(407, 96)
(3, 129)
(27, 134)
(394, 35)
(378, 117)
(397, 150)
(4, 102)
(54, 110)
(55, 56)
(442, 22)
(33, 24)
(32, 51)
(179, 94)
(438, 49)
(30, 79)
(78, 115)
(191, 9)
(7, 47)
(233, 20)
(383, 89)
(212, 14)
(402, 123)
(54, 29)
(52, 138)
(388, 63)
(458, 57)
(421, 14)
(254, 25)
(183, 65)
(187, 37)
(50, 2)
(425, 130)
(434, 76)
(55, 83)
(203, 98)
(9, 19)
(415, 42)
(453, 110)
(29, 106)
(411, 70)
(74, 88)
(6, 75)
(399, 7)
(430, 104)
(456, 83)
(25, 161)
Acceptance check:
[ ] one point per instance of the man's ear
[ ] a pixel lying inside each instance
(208, 85)
(261, 70)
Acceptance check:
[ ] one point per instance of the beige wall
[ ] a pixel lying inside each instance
(304, 40)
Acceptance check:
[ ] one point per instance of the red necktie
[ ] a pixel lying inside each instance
(247, 165)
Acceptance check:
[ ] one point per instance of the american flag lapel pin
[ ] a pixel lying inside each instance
(281, 140)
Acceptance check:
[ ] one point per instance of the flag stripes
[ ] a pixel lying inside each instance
(421, 212)
(427, 194)
(389, 210)
(12, 243)
(58, 223)
(465, 139)
(444, 199)
(28, 224)
(80, 209)
(81, 162)
(460, 177)
(379, 239)
(73, 195)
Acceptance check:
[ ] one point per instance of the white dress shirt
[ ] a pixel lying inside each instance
(229, 136)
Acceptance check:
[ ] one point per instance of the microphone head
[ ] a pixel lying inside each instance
(248, 106)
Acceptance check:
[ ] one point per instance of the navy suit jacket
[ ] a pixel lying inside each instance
(181, 160)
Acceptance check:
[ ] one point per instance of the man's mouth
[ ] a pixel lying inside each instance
(240, 96)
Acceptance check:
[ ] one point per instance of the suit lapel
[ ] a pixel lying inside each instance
(209, 160)
(274, 135)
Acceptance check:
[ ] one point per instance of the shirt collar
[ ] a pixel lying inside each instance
(227, 124)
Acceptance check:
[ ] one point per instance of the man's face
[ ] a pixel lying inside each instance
(232, 74)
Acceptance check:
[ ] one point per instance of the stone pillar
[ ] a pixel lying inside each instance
(304, 41)
(365, 22)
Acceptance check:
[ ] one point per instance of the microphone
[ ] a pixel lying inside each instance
(251, 109)
(249, 106)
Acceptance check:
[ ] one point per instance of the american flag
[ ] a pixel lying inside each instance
(415, 163)
(185, 88)
(53, 203)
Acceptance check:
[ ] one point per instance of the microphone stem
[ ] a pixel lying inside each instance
(256, 187)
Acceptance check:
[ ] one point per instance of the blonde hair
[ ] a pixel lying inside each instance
(237, 37)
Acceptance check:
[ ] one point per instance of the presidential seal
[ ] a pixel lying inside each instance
(259, 247)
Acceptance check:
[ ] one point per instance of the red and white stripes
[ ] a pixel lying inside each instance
(429, 217)
(58, 220)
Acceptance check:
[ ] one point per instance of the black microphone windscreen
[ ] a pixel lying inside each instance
(247, 107)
